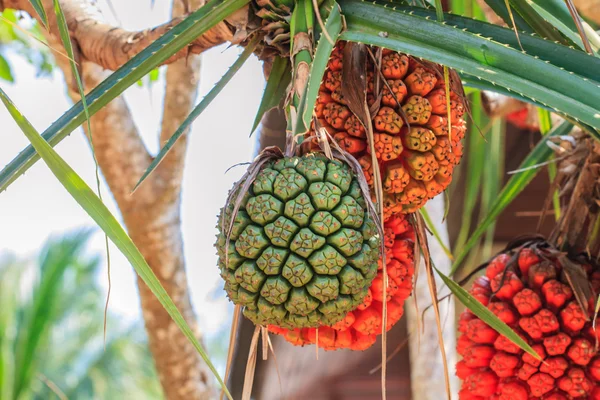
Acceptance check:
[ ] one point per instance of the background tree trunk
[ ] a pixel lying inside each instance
(426, 366)
(152, 213)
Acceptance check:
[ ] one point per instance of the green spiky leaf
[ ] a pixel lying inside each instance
(333, 26)
(274, 93)
(528, 170)
(499, 7)
(94, 207)
(486, 315)
(194, 25)
(561, 56)
(557, 13)
(214, 92)
(489, 60)
(537, 23)
(39, 9)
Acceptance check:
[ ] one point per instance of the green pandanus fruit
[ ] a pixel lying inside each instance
(303, 248)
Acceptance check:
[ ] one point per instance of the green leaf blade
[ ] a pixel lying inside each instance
(274, 93)
(39, 9)
(568, 58)
(94, 207)
(214, 92)
(529, 169)
(488, 60)
(487, 316)
(499, 7)
(333, 26)
(557, 13)
(194, 25)
(5, 70)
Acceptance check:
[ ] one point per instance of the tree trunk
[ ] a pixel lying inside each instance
(426, 366)
(152, 213)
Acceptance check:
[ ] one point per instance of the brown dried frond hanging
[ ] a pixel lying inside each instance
(578, 181)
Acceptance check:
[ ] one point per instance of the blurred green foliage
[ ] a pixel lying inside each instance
(51, 331)
(18, 34)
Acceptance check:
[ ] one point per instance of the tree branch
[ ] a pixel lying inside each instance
(110, 46)
(182, 373)
(180, 96)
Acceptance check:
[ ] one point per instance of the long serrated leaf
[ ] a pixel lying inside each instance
(515, 185)
(475, 167)
(565, 57)
(478, 56)
(94, 207)
(537, 23)
(557, 13)
(277, 84)
(478, 83)
(39, 9)
(194, 25)
(499, 7)
(63, 30)
(333, 25)
(205, 102)
(436, 234)
(486, 315)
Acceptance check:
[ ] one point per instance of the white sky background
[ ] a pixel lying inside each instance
(36, 205)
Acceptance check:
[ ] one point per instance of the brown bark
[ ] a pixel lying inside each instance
(152, 213)
(110, 46)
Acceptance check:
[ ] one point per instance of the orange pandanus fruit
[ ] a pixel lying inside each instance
(414, 150)
(359, 328)
(528, 289)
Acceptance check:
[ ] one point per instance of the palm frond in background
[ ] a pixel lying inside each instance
(51, 330)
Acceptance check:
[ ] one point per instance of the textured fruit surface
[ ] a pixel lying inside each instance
(415, 153)
(303, 249)
(527, 290)
(359, 328)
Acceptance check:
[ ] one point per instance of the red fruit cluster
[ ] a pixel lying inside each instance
(359, 329)
(407, 97)
(525, 290)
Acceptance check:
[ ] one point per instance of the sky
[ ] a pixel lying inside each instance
(37, 206)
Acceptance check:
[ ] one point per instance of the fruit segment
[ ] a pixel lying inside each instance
(413, 147)
(358, 330)
(526, 288)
